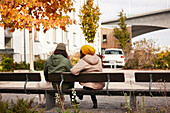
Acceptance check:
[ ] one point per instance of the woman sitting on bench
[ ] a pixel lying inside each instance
(59, 62)
(89, 62)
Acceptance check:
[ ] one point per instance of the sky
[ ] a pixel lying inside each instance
(111, 8)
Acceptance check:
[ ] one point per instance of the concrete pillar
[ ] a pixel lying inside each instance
(31, 51)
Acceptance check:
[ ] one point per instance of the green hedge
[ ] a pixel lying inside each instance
(8, 64)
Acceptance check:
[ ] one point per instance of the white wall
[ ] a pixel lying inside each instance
(46, 45)
(2, 39)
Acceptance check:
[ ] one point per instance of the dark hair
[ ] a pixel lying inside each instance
(61, 52)
(81, 54)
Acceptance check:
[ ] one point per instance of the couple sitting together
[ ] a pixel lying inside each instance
(89, 62)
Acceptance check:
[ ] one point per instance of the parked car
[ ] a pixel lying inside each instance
(113, 57)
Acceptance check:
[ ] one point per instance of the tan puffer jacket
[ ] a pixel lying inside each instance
(89, 63)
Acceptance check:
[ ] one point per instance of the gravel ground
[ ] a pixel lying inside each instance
(106, 104)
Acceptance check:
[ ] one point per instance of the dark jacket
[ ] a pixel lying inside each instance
(57, 64)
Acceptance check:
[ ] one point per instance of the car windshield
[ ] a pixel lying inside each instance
(115, 52)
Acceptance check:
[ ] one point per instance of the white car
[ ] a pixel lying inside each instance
(113, 58)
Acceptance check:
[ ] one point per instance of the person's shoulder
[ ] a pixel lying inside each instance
(90, 56)
(100, 56)
(48, 58)
(66, 59)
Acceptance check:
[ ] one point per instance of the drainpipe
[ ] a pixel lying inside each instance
(24, 47)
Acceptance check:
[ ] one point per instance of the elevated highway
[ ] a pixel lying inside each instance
(147, 22)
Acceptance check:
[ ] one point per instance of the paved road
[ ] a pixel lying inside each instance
(106, 104)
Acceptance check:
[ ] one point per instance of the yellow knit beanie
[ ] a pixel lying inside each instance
(86, 49)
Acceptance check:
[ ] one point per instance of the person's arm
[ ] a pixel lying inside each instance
(77, 68)
(46, 71)
(68, 65)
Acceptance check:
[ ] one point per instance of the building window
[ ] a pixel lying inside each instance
(48, 37)
(98, 2)
(104, 38)
(36, 35)
(8, 42)
(74, 15)
(8, 38)
(74, 39)
(59, 34)
(65, 37)
(55, 35)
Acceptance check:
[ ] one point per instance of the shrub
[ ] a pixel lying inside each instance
(163, 60)
(146, 56)
(22, 106)
(21, 65)
(144, 51)
(6, 63)
(39, 64)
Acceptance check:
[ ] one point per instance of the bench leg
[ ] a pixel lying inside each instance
(50, 100)
(133, 101)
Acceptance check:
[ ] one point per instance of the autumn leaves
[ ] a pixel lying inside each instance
(33, 13)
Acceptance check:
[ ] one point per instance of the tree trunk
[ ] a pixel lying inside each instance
(31, 51)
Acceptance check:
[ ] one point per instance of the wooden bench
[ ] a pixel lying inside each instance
(112, 77)
(150, 77)
(116, 77)
(57, 77)
(153, 77)
(25, 78)
(19, 77)
(88, 77)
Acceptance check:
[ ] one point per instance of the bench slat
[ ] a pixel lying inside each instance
(21, 90)
(120, 92)
(20, 76)
(156, 76)
(114, 92)
(87, 77)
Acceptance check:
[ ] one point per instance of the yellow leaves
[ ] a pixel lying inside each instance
(52, 1)
(89, 16)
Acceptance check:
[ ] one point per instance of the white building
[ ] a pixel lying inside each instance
(17, 43)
